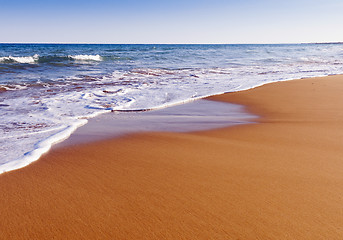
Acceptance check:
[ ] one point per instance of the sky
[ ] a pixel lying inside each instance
(172, 21)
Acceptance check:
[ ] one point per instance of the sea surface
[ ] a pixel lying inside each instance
(49, 90)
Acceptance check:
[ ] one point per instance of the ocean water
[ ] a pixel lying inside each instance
(49, 90)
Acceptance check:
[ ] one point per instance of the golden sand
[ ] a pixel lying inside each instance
(281, 178)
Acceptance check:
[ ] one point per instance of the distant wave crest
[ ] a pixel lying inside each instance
(46, 59)
(86, 57)
(27, 59)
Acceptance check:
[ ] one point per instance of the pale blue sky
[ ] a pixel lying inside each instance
(178, 21)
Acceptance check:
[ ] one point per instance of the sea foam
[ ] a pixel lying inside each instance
(41, 148)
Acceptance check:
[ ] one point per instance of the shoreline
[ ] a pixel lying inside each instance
(279, 179)
(62, 138)
(50, 88)
(182, 117)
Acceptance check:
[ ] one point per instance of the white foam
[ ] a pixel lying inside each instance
(27, 59)
(41, 148)
(86, 57)
(14, 87)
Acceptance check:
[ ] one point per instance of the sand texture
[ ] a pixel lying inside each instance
(281, 178)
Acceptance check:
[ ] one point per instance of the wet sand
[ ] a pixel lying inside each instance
(193, 116)
(280, 178)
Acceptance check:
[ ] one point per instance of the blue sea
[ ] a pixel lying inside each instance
(49, 90)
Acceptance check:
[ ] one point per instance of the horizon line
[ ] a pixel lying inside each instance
(94, 43)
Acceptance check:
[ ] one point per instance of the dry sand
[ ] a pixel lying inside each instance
(279, 179)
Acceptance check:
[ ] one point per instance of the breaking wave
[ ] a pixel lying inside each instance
(86, 57)
(27, 59)
(46, 59)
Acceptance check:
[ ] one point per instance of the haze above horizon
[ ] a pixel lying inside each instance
(187, 21)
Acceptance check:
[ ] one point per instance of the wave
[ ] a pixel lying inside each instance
(27, 59)
(86, 57)
(49, 59)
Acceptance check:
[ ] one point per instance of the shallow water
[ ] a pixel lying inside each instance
(198, 115)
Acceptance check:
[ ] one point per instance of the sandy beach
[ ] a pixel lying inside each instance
(279, 178)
